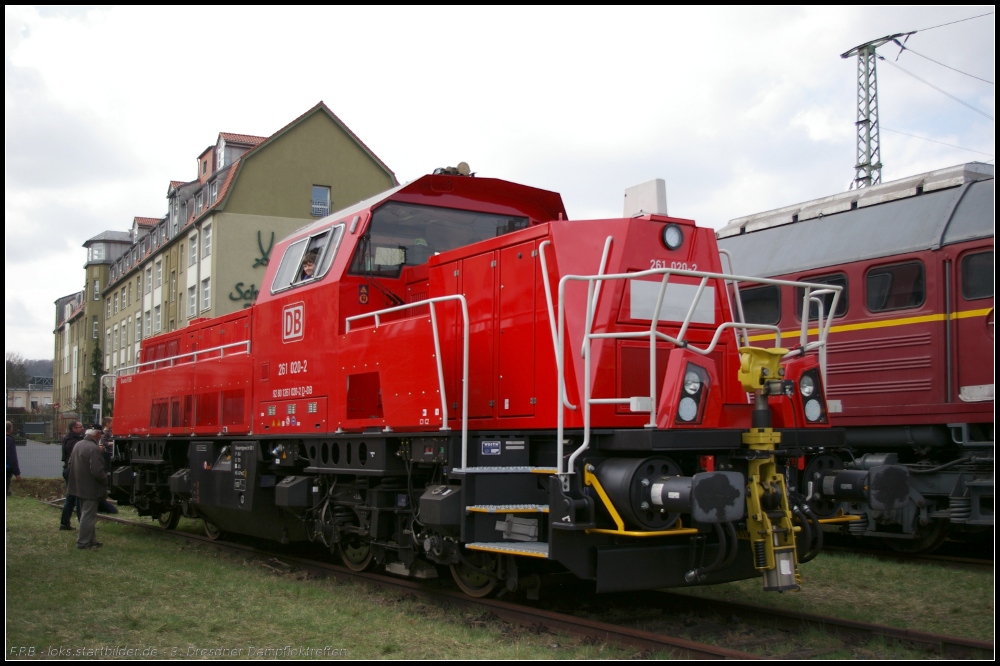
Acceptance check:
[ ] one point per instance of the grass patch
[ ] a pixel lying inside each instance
(910, 595)
(165, 598)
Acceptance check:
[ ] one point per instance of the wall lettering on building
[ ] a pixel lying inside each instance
(242, 293)
(265, 255)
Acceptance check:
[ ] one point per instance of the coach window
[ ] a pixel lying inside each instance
(977, 276)
(827, 299)
(761, 305)
(895, 287)
(324, 244)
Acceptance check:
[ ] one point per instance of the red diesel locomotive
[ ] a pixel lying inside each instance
(467, 378)
(910, 360)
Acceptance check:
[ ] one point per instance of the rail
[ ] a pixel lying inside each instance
(431, 302)
(811, 293)
(170, 361)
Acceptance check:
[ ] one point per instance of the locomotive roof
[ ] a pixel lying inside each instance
(430, 190)
(894, 218)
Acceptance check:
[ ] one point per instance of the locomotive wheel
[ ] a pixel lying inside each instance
(824, 508)
(474, 582)
(169, 518)
(212, 531)
(356, 554)
(927, 539)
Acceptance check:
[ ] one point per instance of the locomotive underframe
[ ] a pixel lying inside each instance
(397, 499)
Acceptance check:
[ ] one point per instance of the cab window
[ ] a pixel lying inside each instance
(409, 235)
(761, 305)
(977, 276)
(308, 260)
(895, 287)
(839, 280)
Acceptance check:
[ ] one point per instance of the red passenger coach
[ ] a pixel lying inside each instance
(910, 362)
(454, 374)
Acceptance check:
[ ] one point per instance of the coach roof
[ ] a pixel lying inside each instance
(904, 220)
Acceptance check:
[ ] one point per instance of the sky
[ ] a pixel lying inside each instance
(739, 110)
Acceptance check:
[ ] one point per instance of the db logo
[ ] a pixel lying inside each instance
(292, 323)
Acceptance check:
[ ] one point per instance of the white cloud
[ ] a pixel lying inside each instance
(739, 109)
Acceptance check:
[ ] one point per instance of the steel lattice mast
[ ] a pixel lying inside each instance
(868, 168)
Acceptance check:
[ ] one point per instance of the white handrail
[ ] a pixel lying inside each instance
(655, 335)
(194, 357)
(431, 302)
(552, 319)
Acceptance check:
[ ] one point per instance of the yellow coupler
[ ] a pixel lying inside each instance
(769, 518)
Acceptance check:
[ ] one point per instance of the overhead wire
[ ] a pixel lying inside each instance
(906, 48)
(954, 22)
(947, 94)
(950, 145)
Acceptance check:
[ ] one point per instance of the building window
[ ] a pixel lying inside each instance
(173, 286)
(206, 240)
(149, 279)
(193, 254)
(115, 347)
(138, 328)
(116, 302)
(109, 307)
(149, 323)
(320, 200)
(159, 274)
(192, 302)
(123, 298)
(124, 334)
(97, 290)
(156, 319)
(215, 191)
(96, 333)
(107, 340)
(206, 293)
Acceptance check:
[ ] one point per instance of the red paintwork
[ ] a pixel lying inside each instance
(891, 368)
(323, 378)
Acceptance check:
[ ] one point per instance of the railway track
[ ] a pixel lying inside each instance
(647, 638)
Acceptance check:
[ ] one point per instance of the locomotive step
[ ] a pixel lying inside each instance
(517, 469)
(528, 549)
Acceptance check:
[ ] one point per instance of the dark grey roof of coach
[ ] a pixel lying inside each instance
(905, 225)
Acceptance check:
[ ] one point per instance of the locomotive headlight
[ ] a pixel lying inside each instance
(807, 386)
(687, 409)
(672, 236)
(814, 411)
(692, 382)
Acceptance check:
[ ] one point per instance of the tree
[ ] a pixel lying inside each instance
(17, 371)
(92, 394)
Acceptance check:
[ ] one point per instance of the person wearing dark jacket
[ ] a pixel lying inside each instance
(87, 480)
(74, 435)
(107, 448)
(13, 469)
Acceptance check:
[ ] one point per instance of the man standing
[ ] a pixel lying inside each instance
(88, 482)
(74, 435)
(13, 470)
(107, 448)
